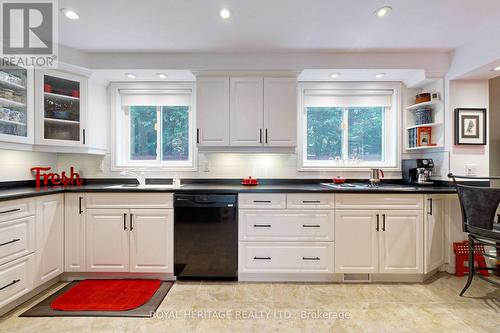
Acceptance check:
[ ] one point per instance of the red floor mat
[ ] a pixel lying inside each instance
(106, 295)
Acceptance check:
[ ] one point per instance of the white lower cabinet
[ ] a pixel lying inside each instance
(129, 240)
(378, 241)
(401, 242)
(151, 240)
(286, 257)
(16, 279)
(49, 237)
(356, 241)
(107, 240)
(74, 232)
(283, 235)
(434, 233)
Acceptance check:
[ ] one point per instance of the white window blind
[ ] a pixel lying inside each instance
(177, 97)
(347, 98)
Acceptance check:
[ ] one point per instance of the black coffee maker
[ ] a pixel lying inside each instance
(418, 171)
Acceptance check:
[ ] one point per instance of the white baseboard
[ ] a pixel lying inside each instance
(86, 275)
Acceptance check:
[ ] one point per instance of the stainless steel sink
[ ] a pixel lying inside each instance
(359, 186)
(147, 186)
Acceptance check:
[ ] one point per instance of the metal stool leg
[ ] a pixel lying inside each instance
(471, 265)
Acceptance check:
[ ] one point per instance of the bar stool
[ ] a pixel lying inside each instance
(479, 206)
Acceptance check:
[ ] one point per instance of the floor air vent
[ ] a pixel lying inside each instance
(352, 277)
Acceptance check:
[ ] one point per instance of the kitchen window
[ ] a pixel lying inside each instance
(348, 126)
(155, 128)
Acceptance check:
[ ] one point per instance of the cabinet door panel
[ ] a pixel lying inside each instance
(356, 241)
(246, 111)
(107, 240)
(280, 112)
(212, 111)
(401, 242)
(151, 241)
(434, 241)
(49, 238)
(74, 232)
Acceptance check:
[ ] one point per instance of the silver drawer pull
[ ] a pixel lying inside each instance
(310, 258)
(261, 258)
(262, 226)
(262, 201)
(311, 201)
(10, 242)
(10, 284)
(311, 226)
(10, 211)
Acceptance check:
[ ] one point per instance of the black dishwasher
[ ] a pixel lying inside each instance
(206, 236)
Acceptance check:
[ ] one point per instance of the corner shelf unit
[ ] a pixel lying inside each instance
(437, 124)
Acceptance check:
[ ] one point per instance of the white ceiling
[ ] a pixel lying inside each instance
(273, 25)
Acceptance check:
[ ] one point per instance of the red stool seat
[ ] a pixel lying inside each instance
(461, 250)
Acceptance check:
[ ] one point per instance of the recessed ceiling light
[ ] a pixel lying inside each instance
(384, 11)
(497, 69)
(334, 75)
(162, 76)
(225, 13)
(379, 75)
(130, 75)
(70, 13)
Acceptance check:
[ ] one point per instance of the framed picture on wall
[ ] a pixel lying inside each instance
(470, 126)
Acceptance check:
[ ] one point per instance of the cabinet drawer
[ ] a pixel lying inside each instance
(16, 279)
(310, 200)
(129, 200)
(262, 200)
(379, 201)
(286, 225)
(14, 209)
(286, 257)
(17, 238)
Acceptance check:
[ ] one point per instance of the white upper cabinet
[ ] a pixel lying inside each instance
(280, 109)
(16, 105)
(246, 115)
(212, 111)
(60, 109)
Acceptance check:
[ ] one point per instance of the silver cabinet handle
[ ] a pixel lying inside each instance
(261, 258)
(311, 201)
(262, 201)
(260, 135)
(131, 221)
(10, 211)
(430, 206)
(311, 258)
(378, 223)
(124, 221)
(383, 222)
(10, 242)
(311, 226)
(262, 226)
(10, 284)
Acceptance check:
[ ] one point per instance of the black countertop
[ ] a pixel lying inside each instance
(22, 190)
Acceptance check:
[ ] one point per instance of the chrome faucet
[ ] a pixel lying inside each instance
(139, 176)
(375, 176)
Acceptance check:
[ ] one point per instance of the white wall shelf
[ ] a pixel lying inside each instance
(425, 125)
(420, 105)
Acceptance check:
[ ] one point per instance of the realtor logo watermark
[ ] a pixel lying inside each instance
(29, 33)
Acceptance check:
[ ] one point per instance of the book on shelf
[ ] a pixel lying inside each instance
(420, 137)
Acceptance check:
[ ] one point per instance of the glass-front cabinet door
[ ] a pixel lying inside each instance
(60, 108)
(16, 105)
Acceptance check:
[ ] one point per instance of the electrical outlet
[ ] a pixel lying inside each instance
(470, 170)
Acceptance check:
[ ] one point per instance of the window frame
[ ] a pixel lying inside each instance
(391, 146)
(120, 130)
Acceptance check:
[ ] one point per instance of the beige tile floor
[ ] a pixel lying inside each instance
(433, 306)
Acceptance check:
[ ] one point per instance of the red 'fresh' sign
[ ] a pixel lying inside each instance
(52, 178)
